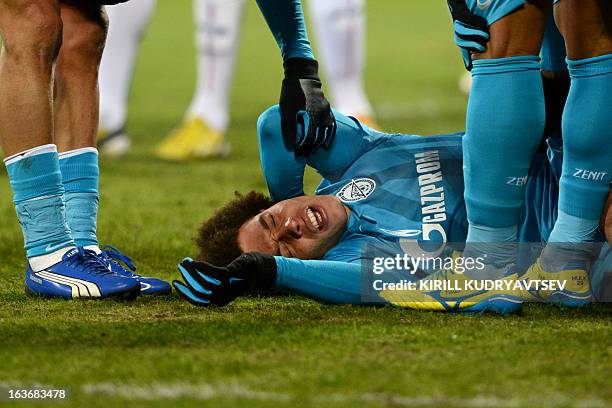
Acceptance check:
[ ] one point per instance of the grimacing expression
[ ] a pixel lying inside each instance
(303, 227)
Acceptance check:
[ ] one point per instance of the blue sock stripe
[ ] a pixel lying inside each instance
(80, 173)
(505, 65)
(38, 195)
(590, 66)
(35, 176)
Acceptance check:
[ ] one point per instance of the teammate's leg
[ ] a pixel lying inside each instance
(505, 121)
(587, 129)
(31, 31)
(76, 124)
(201, 134)
(76, 115)
(31, 34)
(339, 26)
(587, 123)
(127, 24)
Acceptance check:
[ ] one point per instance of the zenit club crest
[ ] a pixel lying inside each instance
(357, 190)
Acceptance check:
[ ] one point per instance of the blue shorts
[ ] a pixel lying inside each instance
(493, 10)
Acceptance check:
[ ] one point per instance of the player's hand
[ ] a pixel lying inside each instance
(205, 284)
(471, 30)
(301, 91)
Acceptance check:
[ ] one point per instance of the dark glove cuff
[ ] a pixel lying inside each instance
(266, 271)
(296, 68)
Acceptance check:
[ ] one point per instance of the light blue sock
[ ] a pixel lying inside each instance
(38, 195)
(505, 122)
(587, 150)
(587, 153)
(80, 175)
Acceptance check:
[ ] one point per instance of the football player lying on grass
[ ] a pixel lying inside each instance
(377, 189)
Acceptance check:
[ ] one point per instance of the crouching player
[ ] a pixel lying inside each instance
(378, 190)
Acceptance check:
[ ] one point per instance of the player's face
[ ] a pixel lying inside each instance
(303, 227)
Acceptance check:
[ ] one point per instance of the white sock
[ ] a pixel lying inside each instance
(127, 24)
(39, 263)
(339, 26)
(217, 31)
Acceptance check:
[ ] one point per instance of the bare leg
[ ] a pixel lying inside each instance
(586, 26)
(31, 34)
(519, 33)
(76, 76)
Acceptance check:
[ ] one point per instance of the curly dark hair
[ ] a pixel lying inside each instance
(218, 236)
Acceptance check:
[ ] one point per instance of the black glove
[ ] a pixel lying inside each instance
(301, 91)
(206, 284)
(471, 30)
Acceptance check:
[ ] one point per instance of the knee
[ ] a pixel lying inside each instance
(33, 34)
(84, 37)
(519, 33)
(269, 124)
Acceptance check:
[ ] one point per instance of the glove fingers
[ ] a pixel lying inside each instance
(193, 282)
(463, 30)
(204, 273)
(330, 133)
(303, 149)
(470, 45)
(467, 59)
(188, 295)
(319, 139)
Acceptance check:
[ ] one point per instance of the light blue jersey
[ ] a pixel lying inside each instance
(401, 190)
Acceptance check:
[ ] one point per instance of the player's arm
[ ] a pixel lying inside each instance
(284, 170)
(301, 88)
(331, 282)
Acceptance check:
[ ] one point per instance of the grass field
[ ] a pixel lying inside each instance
(284, 350)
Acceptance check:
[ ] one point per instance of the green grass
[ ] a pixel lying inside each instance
(282, 350)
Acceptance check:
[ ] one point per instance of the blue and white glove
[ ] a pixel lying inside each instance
(471, 30)
(205, 284)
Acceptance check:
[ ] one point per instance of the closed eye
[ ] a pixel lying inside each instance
(267, 227)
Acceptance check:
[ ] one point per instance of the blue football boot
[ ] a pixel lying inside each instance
(80, 274)
(113, 259)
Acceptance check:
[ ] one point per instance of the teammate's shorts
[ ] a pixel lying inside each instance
(493, 10)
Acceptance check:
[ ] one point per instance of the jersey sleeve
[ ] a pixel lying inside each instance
(284, 173)
(286, 21)
(325, 281)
